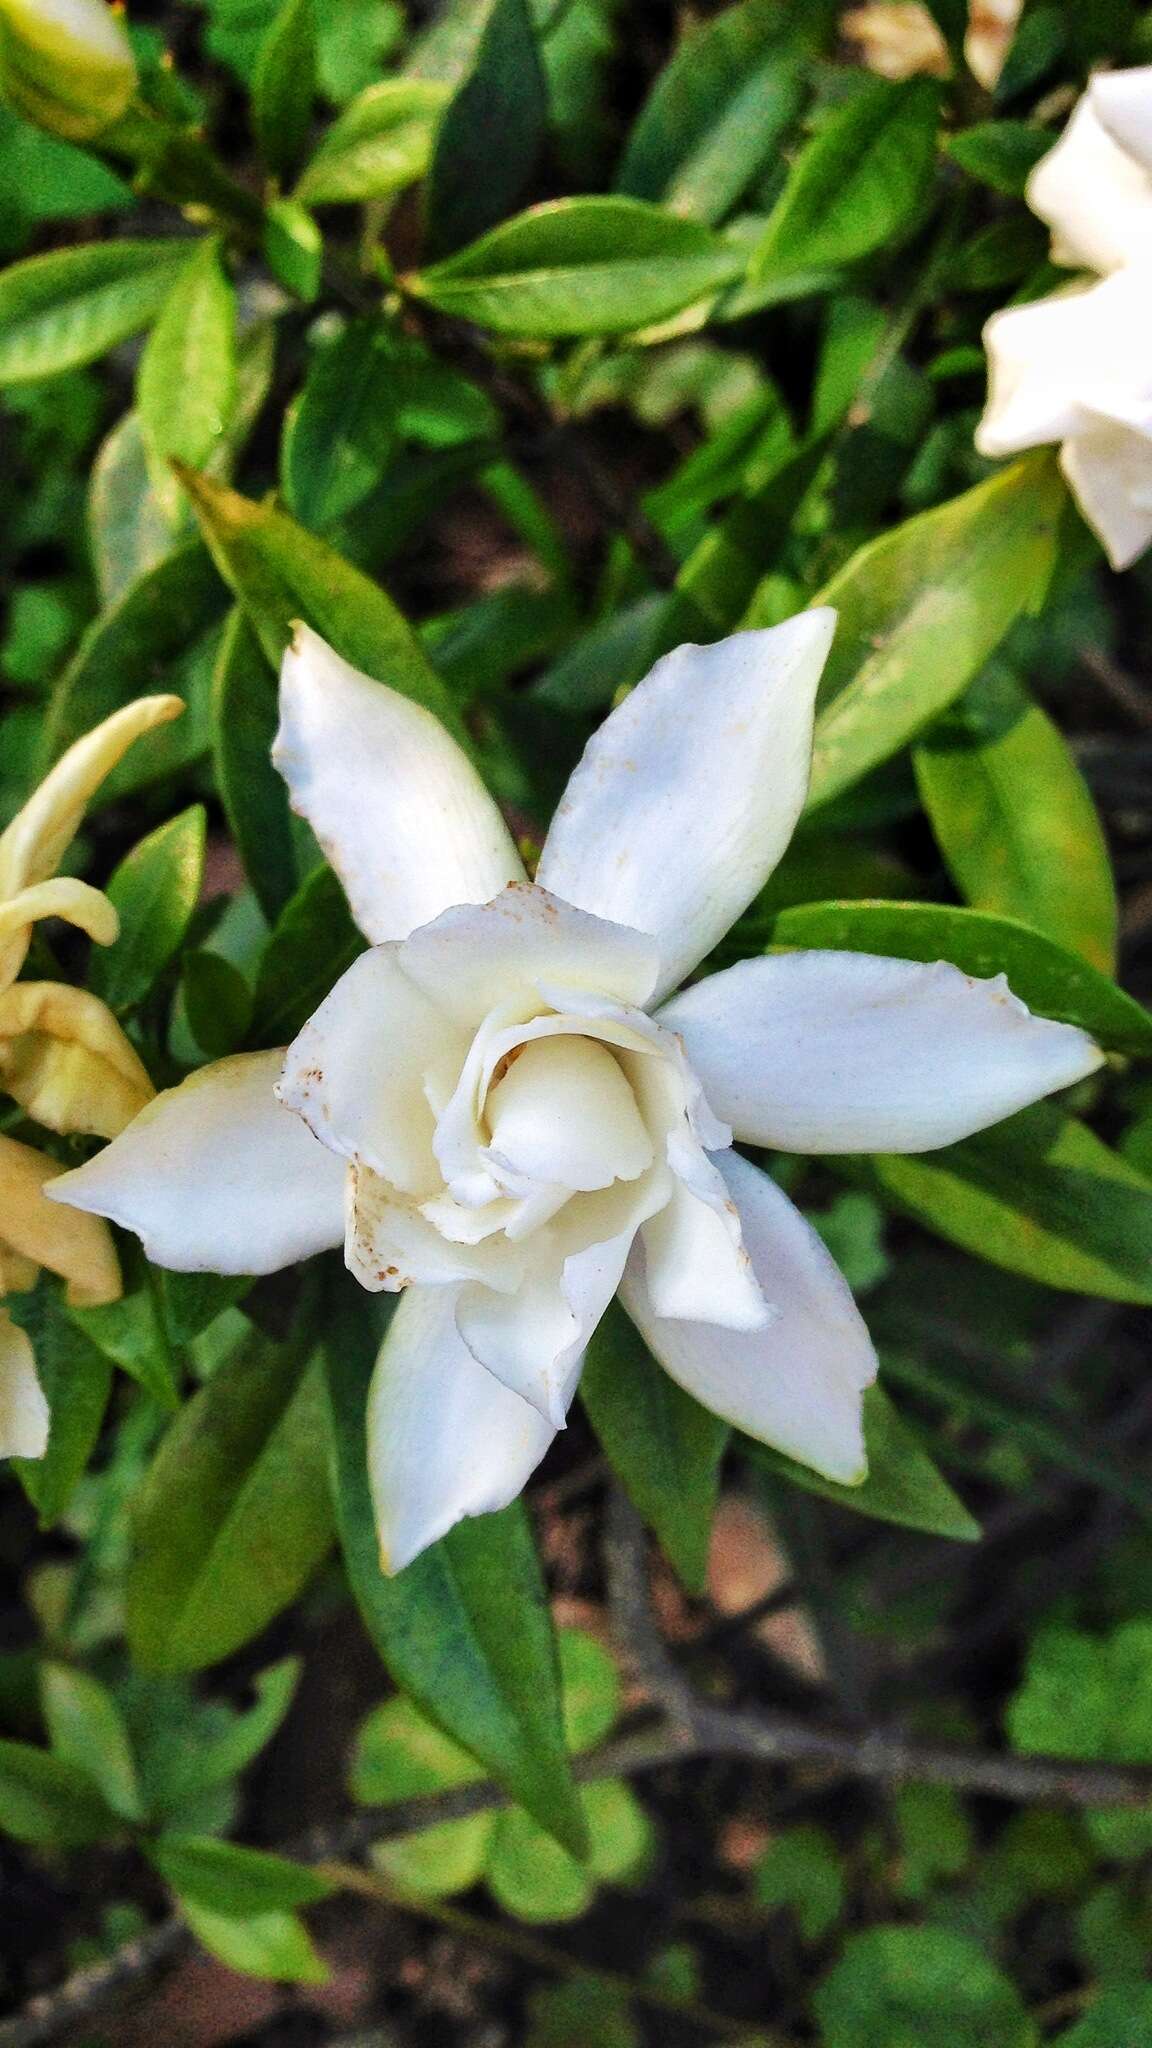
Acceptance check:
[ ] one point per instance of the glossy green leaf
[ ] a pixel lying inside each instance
(254, 796)
(1051, 980)
(87, 1731)
(217, 1004)
(1039, 1194)
(442, 1625)
(130, 527)
(49, 1802)
(921, 609)
(314, 942)
(472, 185)
(342, 428)
(715, 115)
(192, 1301)
(274, 1944)
(665, 1448)
(186, 385)
(283, 89)
(294, 248)
(1015, 820)
(131, 1332)
(234, 1515)
(377, 146)
(72, 305)
(902, 1485)
(1000, 153)
(76, 1377)
(155, 890)
(223, 1877)
(858, 185)
(281, 573)
(580, 266)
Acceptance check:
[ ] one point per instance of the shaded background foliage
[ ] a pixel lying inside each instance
(737, 367)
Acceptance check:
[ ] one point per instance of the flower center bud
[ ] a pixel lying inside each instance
(563, 1112)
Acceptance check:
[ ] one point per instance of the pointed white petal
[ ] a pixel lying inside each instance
(1036, 371)
(1109, 470)
(796, 1384)
(697, 1263)
(390, 1244)
(687, 796)
(23, 1409)
(1122, 103)
(398, 808)
(216, 1176)
(563, 1113)
(848, 1052)
(360, 1070)
(478, 955)
(445, 1439)
(1091, 192)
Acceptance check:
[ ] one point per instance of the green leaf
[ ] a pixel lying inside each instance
(590, 1687)
(1119, 2018)
(130, 528)
(275, 1945)
(186, 385)
(131, 1333)
(280, 573)
(87, 1732)
(858, 185)
(129, 648)
(377, 146)
(76, 1378)
(314, 942)
(217, 1004)
(442, 1625)
(1051, 980)
(234, 1515)
(294, 248)
(1014, 818)
(893, 1986)
(223, 1877)
(189, 1768)
(715, 115)
(1000, 153)
(49, 1802)
(155, 889)
(902, 1483)
(342, 428)
(283, 89)
(580, 266)
(254, 796)
(192, 1301)
(72, 305)
(1090, 1697)
(921, 609)
(665, 1448)
(1038, 1194)
(532, 1876)
(471, 185)
(802, 1869)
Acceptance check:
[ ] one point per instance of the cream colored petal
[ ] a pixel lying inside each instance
(445, 1439)
(79, 1248)
(67, 1062)
(23, 1409)
(32, 845)
(1109, 470)
(564, 1114)
(991, 28)
(1095, 197)
(361, 1071)
(1122, 102)
(478, 955)
(390, 1244)
(397, 806)
(216, 1176)
(62, 897)
(687, 795)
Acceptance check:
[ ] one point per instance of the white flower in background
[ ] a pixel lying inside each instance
(900, 39)
(503, 1110)
(1076, 367)
(66, 64)
(63, 1059)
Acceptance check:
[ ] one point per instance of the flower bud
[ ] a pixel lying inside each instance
(66, 64)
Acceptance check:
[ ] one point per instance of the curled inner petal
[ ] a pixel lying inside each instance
(563, 1112)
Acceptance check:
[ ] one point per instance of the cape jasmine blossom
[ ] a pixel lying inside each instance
(504, 1110)
(66, 64)
(63, 1058)
(1075, 367)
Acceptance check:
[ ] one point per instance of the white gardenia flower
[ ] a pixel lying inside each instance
(503, 1109)
(1076, 367)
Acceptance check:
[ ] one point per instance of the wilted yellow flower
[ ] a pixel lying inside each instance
(899, 38)
(63, 1058)
(66, 64)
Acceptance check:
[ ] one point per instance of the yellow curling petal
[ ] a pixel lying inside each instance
(66, 1061)
(32, 845)
(23, 1409)
(64, 897)
(17, 1274)
(68, 1241)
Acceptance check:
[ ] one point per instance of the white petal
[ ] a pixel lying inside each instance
(697, 1263)
(445, 1439)
(563, 1113)
(1109, 470)
(216, 1176)
(1092, 193)
(478, 955)
(687, 796)
(23, 1409)
(1122, 102)
(796, 1384)
(359, 1071)
(398, 808)
(1038, 365)
(390, 1244)
(849, 1052)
